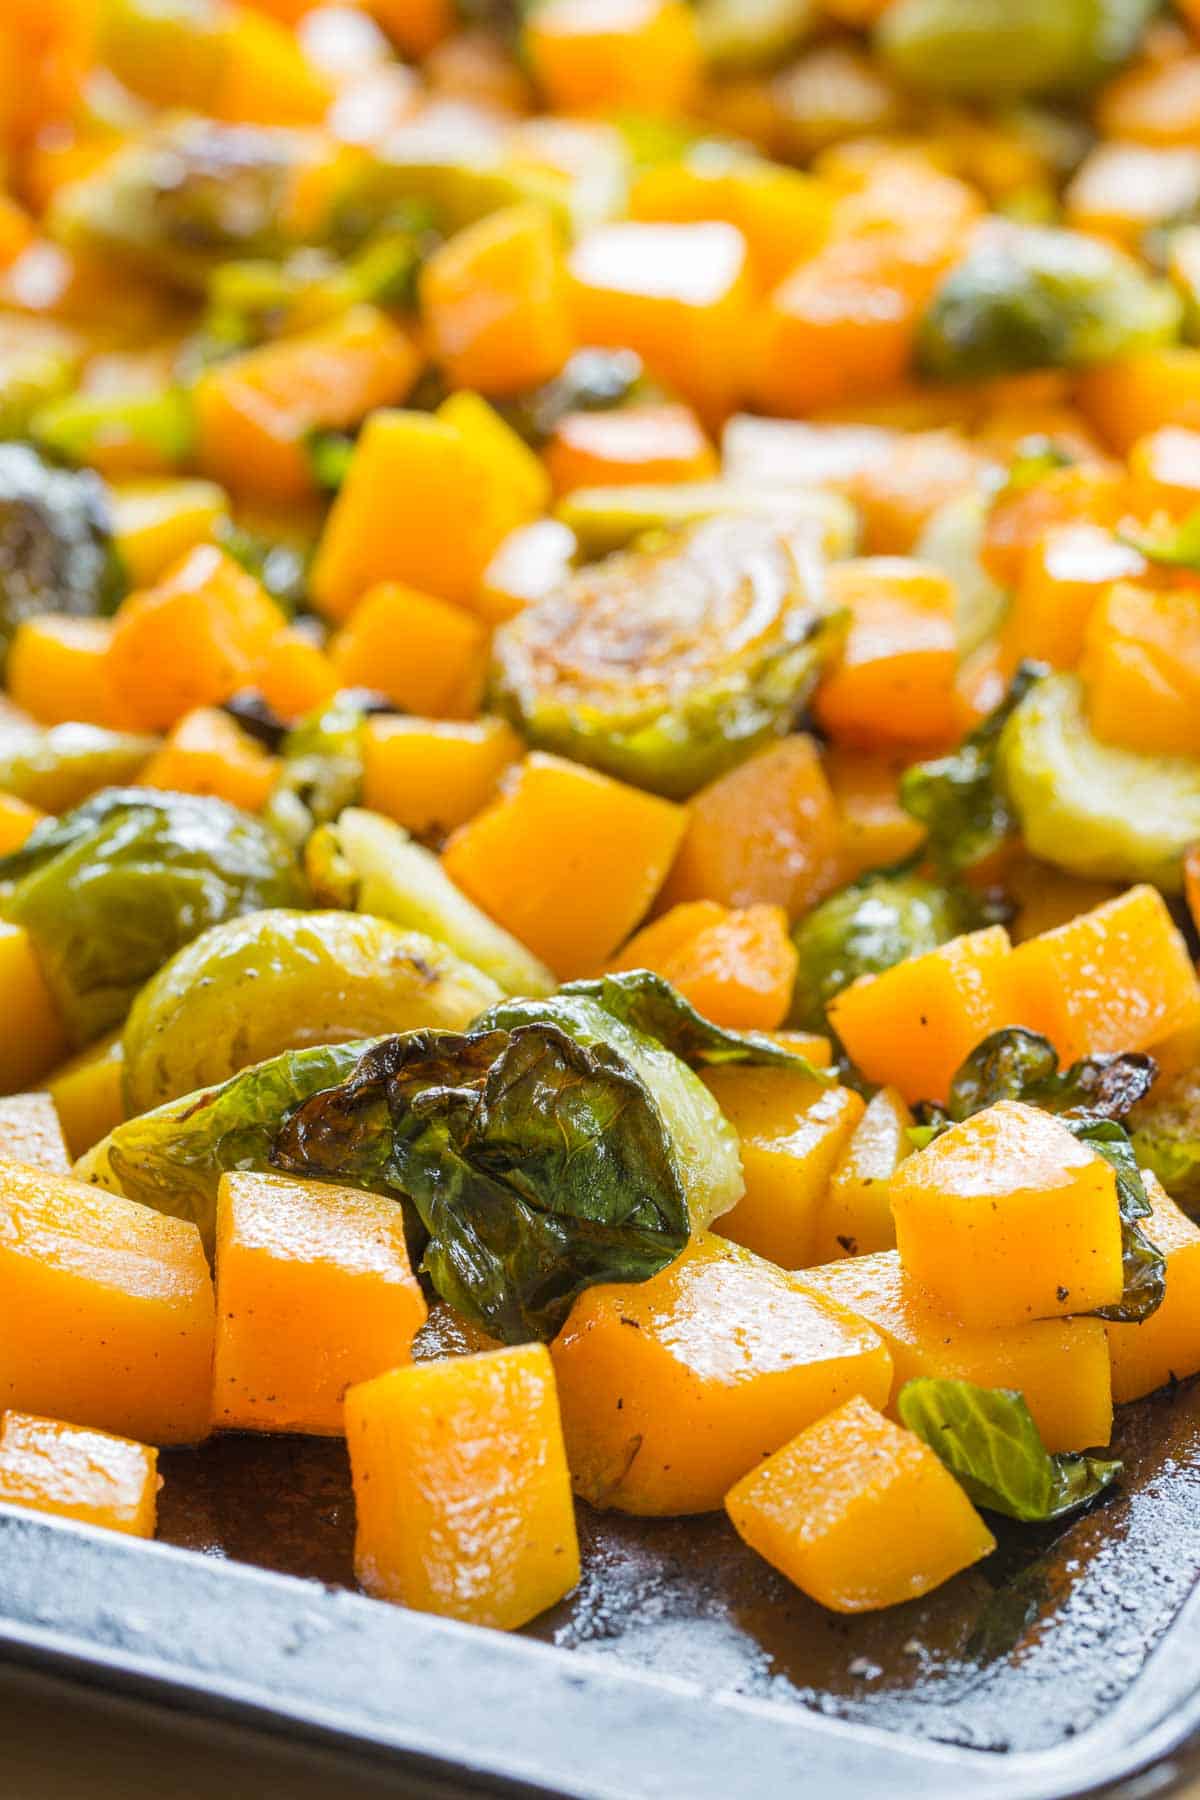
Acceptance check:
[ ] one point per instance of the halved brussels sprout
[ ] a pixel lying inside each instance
(951, 541)
(112, 890)
(874, 923)
(279, 980)
(609, 518)
(992, 47)
(664, 666)
(1037, 297)
(56, 551)
(60, 766)
(369, 863)
(1165, 1129)
(159, 426)
(1094, 809)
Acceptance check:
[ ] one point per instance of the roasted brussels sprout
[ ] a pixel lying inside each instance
(1036, 297)
(1094, 809)
(369, 863)
(322, 767)
(665, 666)
(113, 889)
(56, 551)
(57, 767)
(992, 47)
(874, 923)
(951, 541)
(1165, 1128)
(609, 518)
(252, 987)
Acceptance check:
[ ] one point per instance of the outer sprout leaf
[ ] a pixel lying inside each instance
(650, 1004)
(538, 1166)
(987, 1439)
(60, 766)
(1165, 1131)
(1145, 1266)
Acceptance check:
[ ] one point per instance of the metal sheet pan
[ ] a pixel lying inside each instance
(683, 1666)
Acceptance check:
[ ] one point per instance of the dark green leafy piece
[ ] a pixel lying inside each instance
(113, 889)
(959, 798)
(56, 547)
(322, 769)
(871, 925)
(650, 1004)
(329, 454)
(538, 1166)
(1144, 1264)
(987, 1439)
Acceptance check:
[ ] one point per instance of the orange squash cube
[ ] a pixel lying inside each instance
(640, 56)
(856, 1217)
(1063, 578)
(425, 654)
(894, 680)
(296, 676)
(1061, 1366)
(191, 641)
(874, 829)
(1154, 101)
(897, 494)
(630, 444)
(1089, 493)
(672, 1388)
(1122, 190)
(494, 302)
(783, 214)
(426, 501)
(737, 968)
(89, 1476)
(461, 1487)
(600, 849)
(528, 565)
(266, 79)
(764, 834)
(912, 1026)
(1009, 1217)
(58, 671)
(25, 1055)
(1141, 669)
(255, 411)
(207, 752)
(1126, 399)
(432, 775)
(859, 1513)
(17, 820)
(1116, 978)
(314, 1293)
(157, 521)
(1166, 1346)
(30, 1132)
(88, 1093)
(677, 294)
(115, 1307)
(794, 1132)
(1164, 472)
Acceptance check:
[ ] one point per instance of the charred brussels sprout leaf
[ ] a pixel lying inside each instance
(1165, 1132)
(1145, 1268)
(960, 799)
(874, 923)
(988, 1440)
(649, 1004)
(62, 765)
(1036, 297)
(538, 1166)
(112, 890)
(665, 666)
(1094, 809)
(56, 549)
(253, 987)
(173, 1158)
(1008, 47)
(322, 770)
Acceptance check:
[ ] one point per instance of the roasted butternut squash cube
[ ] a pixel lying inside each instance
(1141, 669)
(296, 676)
(630, 444)
(432, 775)
(88, 1093)
(1166, 1346)
(912, 1026)
(207, 752)
(115, 1309)
(30, 1133)
(1061, 1366)
(602, 55)
(461, 1485)
(673, 1388)
(894, 680)
(494, 302)
(90, 1476)
(1009, 1217)
(856, 1217)
(736, 967)
(427, 655)
(859, 1513)
(873, 828)
(793, 1133)
(155, 522)
(40, 1041)
(58, 671)
(1164, 473)
(314, 1293)
(1126, 399)
(601, 850)
(1063, 577)
(1116, 978)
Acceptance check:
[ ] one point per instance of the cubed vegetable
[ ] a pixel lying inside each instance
(856, 1217)
(89, 1476)
(894, 680)
(601, 851)
(427, 655)
(874, 829)
(314, 1293)
(736, 967)
(30, 1132)
(1063, 576)
(116, 1310)
(41, 1041)
(461, 1487)
(1060, 1366)
(672, 1389)
(1164, 471)
(640, 56)
(1141, 669)
(1009, 1217)
(793, 1133)
(629, 444)
(206, 752)
(432, 775)
(157, 522)
(1136, 394)
(1166, 1346)
(88, 1093)
(859, 1513)
(59, 671)
(494, 300)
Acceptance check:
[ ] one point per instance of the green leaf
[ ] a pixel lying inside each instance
(650, 1004)
(987, 1439)
(329, 456)
(1144, 1264)
(959, 798)
(110, 891)
(322, 769)
(538, 1166)
(1175, 546)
